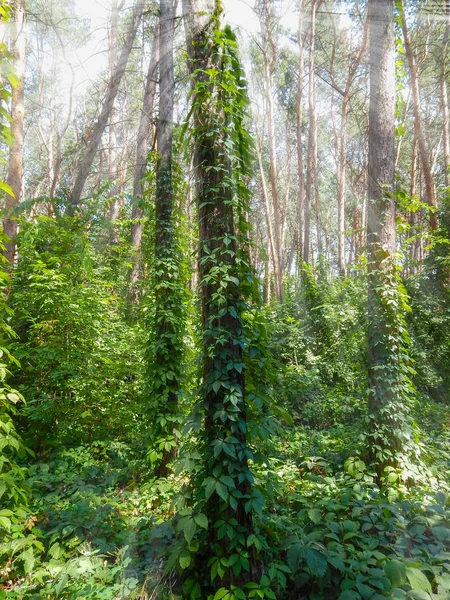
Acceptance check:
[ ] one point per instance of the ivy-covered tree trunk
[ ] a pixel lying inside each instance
(218, 97)
(388, 382)
(166, 344)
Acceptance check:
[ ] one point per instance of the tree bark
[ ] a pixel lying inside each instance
(114, 207)
(220, 286)
(268, 218)
(385, 401)
(110, 96)
(142, 144)
(168, 348)
(311, 173)
(444, 96)
(269, 58)
(15, 164)
(301, 179)
(423, 152)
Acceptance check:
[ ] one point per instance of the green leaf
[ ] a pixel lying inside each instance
(337, 563)
(316, 562)
(221, 490)
(210, 487)
(189, 530)
(185, 559)
(28, 561)
(6, 188)
(55, 551)
(349, 595)
(62, 582)
(293, 556)
(221, 593)
(419, 595)
(396, 571)
(418, 580)
(315, 515)
(365, 591)
(201, 520)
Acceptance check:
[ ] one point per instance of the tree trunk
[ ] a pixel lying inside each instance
(341, 185)
(15, 164)
(110, 96)
(311, 173)
(412, 215)
(424, 159)
(168, 345)
(269, 58)
(444, 95)
(141, 158)
(381, 206)
(114, 207)
(301, 182)
(386, 408)
(265, 192)
(221, 294)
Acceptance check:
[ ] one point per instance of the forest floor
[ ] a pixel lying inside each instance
(106, 525)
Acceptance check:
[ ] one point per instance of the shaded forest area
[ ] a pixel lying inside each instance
(225, 332)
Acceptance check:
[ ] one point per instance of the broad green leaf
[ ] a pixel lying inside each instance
(185, 559)
(221, 490)
(365, 591)
(419, 595)
(396, 571)
(201, 520)
(55, 551)
(28, 561)
(62, 582)
(189, 530)
(349, 595)
(315, 515)
(316, 562)
(418, 580)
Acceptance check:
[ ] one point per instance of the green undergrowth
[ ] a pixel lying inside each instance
(99, 515)
(341, 537)
(328, 532)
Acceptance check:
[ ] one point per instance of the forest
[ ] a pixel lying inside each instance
(225, 299)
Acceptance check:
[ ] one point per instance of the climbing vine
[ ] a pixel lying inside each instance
(391, 435)
(219, 538)
(167, 311)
